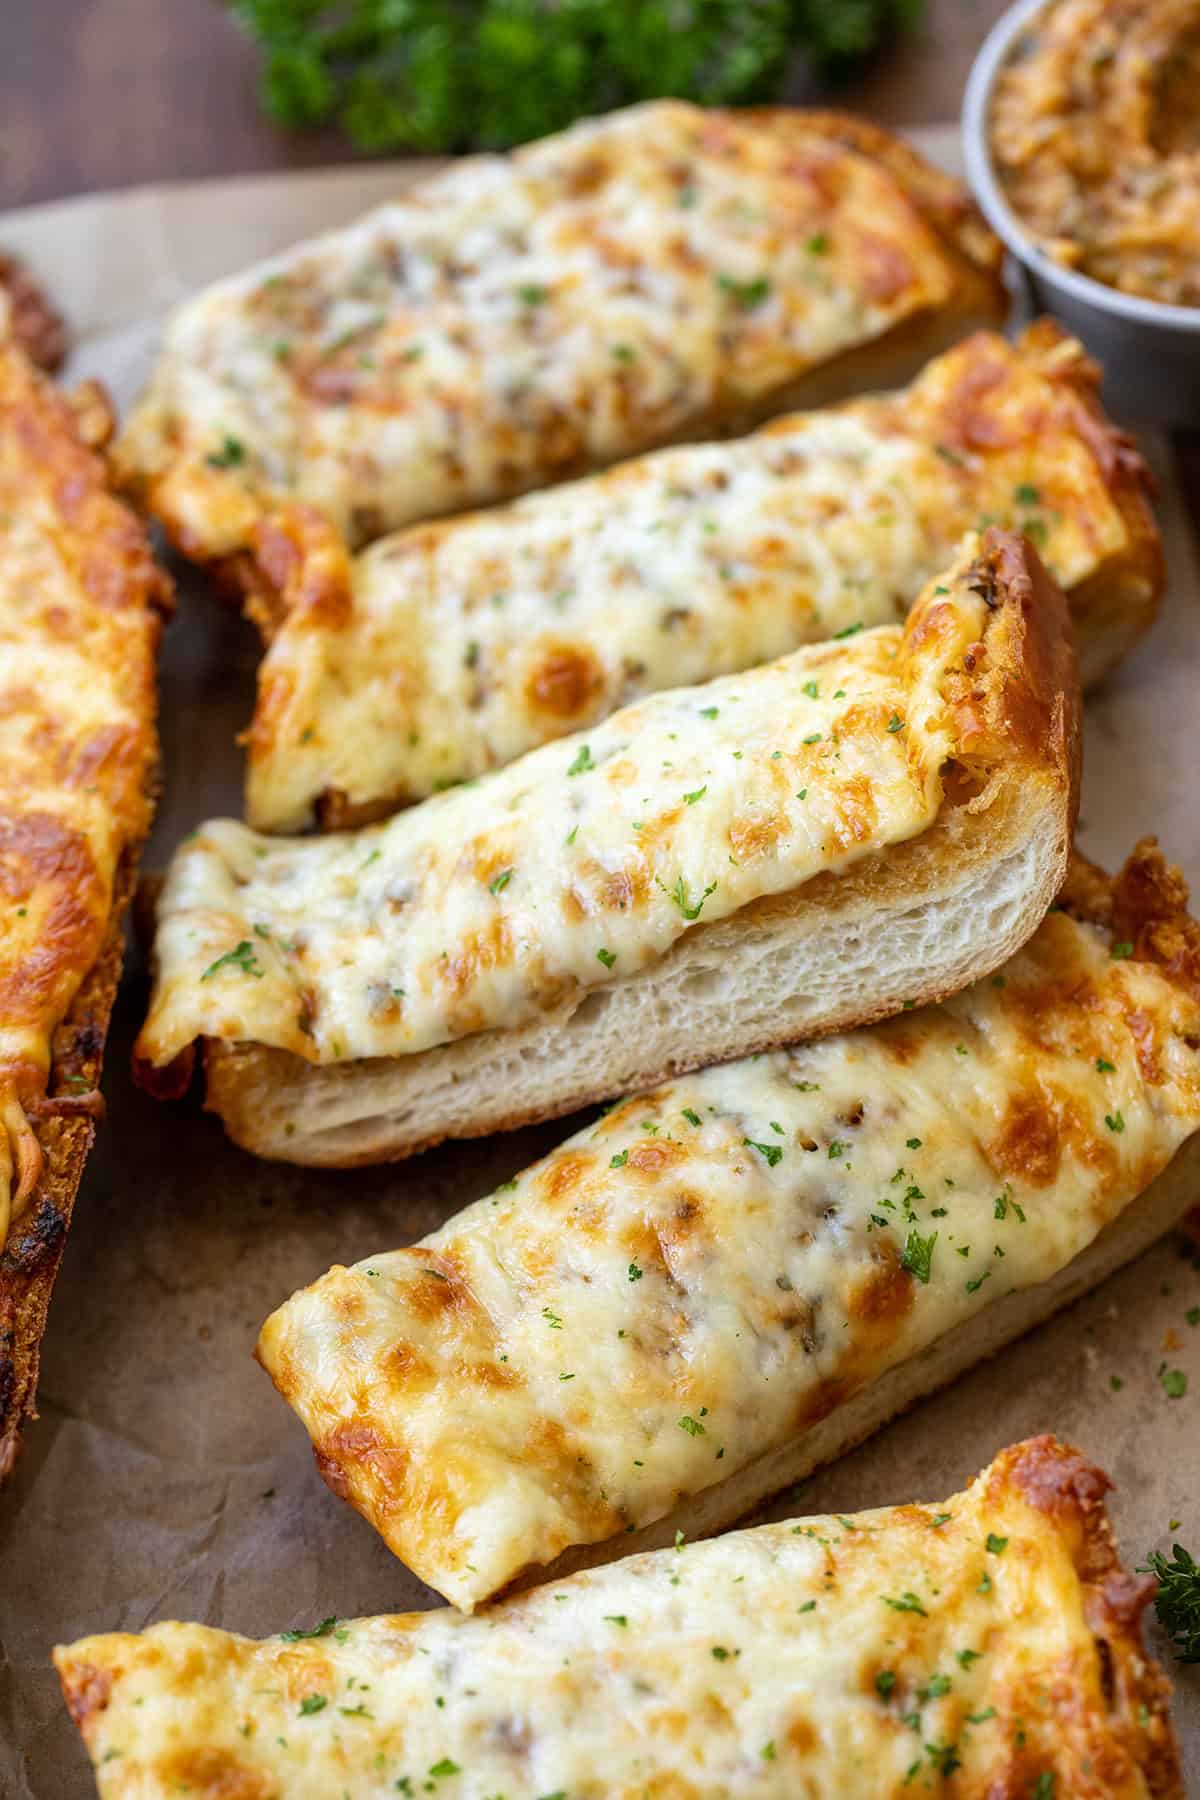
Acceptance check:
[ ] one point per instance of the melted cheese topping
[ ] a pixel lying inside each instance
(77, 639)
(684, 1285)
(1095, 133)
(581, 863)
(859, 1658)
(519, 317)
(450, 650)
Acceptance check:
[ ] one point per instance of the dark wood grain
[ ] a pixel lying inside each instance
(105, 93)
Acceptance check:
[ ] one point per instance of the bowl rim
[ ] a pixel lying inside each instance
(992, 55)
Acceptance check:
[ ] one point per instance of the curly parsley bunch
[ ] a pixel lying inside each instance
(435, 75)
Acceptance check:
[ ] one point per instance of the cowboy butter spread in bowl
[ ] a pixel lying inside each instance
(1082, 134)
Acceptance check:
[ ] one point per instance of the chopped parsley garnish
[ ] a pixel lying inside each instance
(1120, 951)
(895, 723)
(720, 1653)
(977, 1281)
(322, 1630)
(768, 1751)
(1044, 1787)
(814, 737)
(532, 294)
(918, 1255)
(812, 689)
(689, 909)
(635, 1274)
(912, 1143)
(996, 1545)
(501, 882)
(230, 456)
(809, 1606)
(908, 1602)
(552, 1319)
(709, 712)
(771, 1153)
(885, 1683)
(697, 795)
(941, 1518)
(607, 957)
(1174, 1383)
(619, 1159)
(583, 761)
(313, 1703)
(693, 1427)
(445, 1766)
(1115, 1121)
(747, 294)
(1025, 494)
(242, 957)
(692, 1117)
(849, 630)
(964, 1658)
(837, 1149)
(1104, 1067)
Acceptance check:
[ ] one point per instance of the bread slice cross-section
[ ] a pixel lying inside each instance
(854, 829)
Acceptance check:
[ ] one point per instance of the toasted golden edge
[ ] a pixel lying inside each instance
(1120, 600)
(974, 258)
(65, 1124)
(1055, 1477)
(34, 322)
(1018, 728)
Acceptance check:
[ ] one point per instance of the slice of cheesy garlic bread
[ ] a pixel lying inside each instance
(736, 1276)
(711, 871)
(660, 273)
(80, 614)
(450, 649)
(988, 1646)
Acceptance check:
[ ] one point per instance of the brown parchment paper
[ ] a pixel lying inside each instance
(165, 1478)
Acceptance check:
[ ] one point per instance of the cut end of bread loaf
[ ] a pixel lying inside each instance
(897, 928)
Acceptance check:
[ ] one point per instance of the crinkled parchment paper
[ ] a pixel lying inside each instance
(165, 1479)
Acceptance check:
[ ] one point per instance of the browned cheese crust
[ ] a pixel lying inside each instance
(77, 778)
(34, 323)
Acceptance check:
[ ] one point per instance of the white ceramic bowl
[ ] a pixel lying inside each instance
(1150, 352)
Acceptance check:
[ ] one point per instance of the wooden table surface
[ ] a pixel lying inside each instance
(106, 93)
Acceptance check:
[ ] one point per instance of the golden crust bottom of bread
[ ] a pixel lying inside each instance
(65, 1130)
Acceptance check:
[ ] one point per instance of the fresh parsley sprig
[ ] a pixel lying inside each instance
(439, 75)
(1177, 1602)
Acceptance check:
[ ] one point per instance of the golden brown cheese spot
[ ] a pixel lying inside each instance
(489, 948)
(558, 1179)
(355, 1448)
(487, 1374)
(880, 1303)
(404, 1364)
(655, 1157)
(886, 269)
(800, 1735)
(87, 1693)
(565, 682)
(756, 834)
(1029, 1146)
(440, 1296)
(214, 1775)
